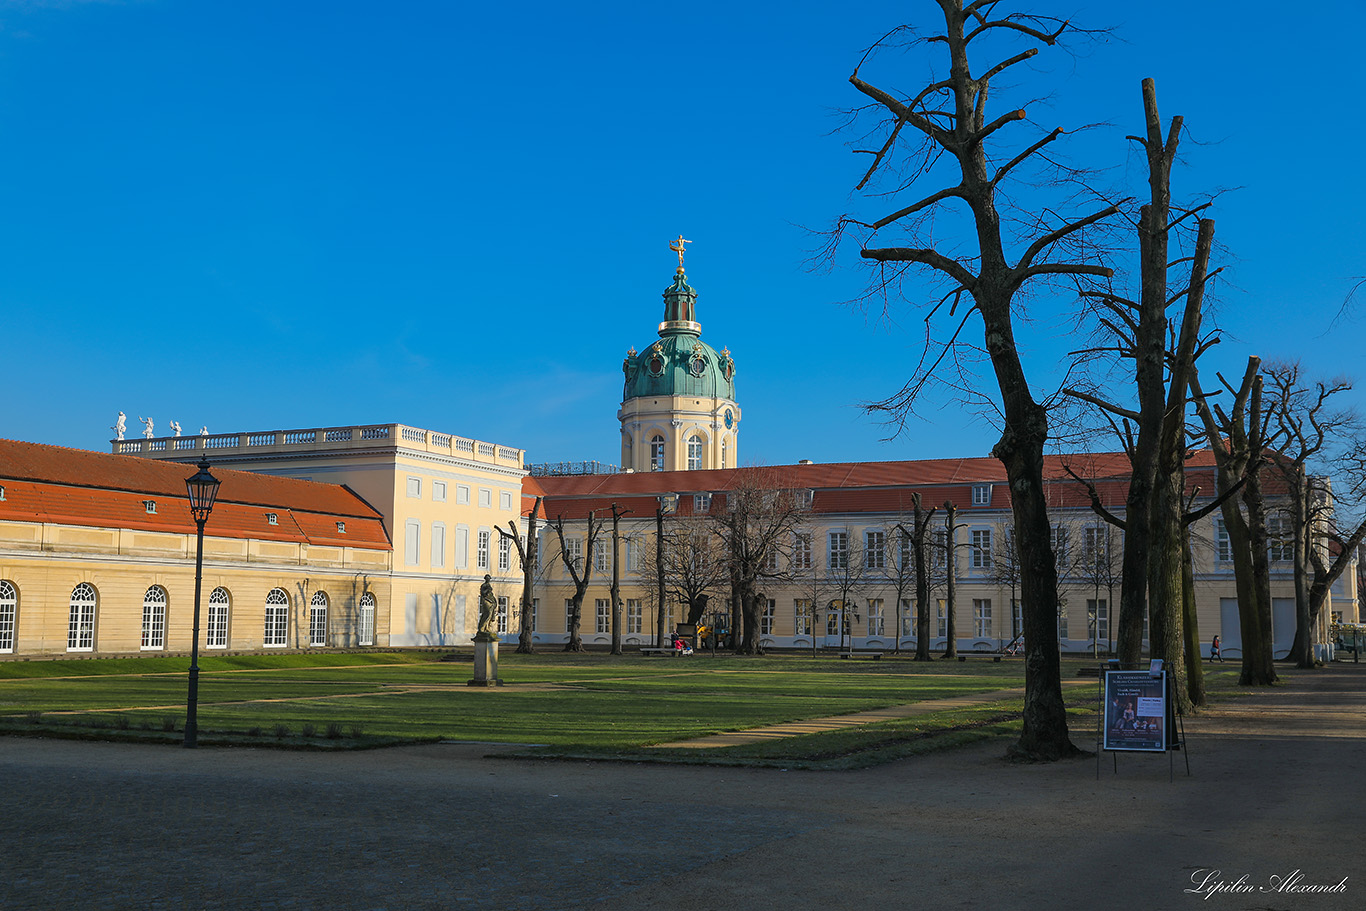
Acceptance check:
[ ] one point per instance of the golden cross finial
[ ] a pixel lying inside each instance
(677, 247)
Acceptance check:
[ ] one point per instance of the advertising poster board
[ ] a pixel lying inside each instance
(1135, 711)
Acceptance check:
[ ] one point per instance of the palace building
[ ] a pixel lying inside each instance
(379, 535)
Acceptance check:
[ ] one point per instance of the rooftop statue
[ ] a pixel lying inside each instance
(120, 426)
(175, 426)
(677, 247)
(147, 427)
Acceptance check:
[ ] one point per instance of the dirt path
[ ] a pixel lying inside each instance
(1275, 789)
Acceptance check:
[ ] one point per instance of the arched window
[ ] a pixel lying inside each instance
(657, 453)
(9, 611)
(80, 631)
(725, 449)
(277, 619)
(154, 618)
(317, 619)
(219, 606)
(694, 453)
(367, 619)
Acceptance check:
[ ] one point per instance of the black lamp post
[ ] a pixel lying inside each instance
(203, 489)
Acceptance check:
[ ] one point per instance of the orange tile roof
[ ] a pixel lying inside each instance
(77, 487)
(853, 487)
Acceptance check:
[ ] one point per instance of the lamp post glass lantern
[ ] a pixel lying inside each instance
(203, 490)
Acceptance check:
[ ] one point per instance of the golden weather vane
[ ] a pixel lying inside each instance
(677, 247)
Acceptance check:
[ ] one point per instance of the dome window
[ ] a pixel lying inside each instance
(698, 365)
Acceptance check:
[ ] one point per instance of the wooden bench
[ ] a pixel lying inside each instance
(654, 652)
(870, 656)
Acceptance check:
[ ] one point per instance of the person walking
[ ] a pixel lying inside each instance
(1215, 654)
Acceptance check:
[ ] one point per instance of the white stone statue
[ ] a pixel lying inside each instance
(120, 426)
(147, 427)
(175, 426)
(204, 431)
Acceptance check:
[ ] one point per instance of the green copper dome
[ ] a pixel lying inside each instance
(680, 363)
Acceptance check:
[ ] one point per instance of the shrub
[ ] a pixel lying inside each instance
(122, 722)
(356, 732)
(309, 730)
(168, 724)
(253, 732)
(34, 717)
(282, 731)
(334, 731)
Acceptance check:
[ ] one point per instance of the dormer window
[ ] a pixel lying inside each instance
(701, 503)
(150, 506)
(803, 498)
(981, 495)
(2, 494)
(272, 519)
(341, 528)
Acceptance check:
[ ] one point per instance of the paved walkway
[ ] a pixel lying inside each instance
(1275, 794)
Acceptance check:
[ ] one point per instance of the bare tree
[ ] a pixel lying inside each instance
(951, 527)
(1306, 425)
(845, 569)
(579, 566)
(756, 526)
(526, 555)
(1235, 436)
(693, 563)
(949, 118)
(919, 534)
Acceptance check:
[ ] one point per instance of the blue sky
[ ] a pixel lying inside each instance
(257, 215)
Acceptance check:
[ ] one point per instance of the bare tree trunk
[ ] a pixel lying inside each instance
(616, 580)
(659, 577)
(1195, 671)
(1301, 651)
(950, 585)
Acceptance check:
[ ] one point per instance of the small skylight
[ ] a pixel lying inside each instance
(272, 518)
(2, 494)
(151, 506)
(341, 527)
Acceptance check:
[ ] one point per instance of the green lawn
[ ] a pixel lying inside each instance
(585, 704)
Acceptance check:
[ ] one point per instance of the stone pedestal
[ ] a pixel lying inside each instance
(485, 661)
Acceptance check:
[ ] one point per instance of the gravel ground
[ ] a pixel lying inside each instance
(1275, 789)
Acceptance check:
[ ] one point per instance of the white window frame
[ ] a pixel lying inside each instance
(365, 628)
(701, 504)
(1223, 544)
(979, 548)
(9, 613)
(85, 608)
(801, 616)
(504, 554)
(601, 558)
(801, 550)
(154, 609)
(695, 453)
(276, 632)
(485, 498)
(414, 487)
(981, 495)
(462, 494)
(837, 549)
(602, 612)
(502, 615)
(573, 548)
(635, 615)
(877, 617)
(657, 453)
(439, 491)
(875, 549)
(767, 615)
(481, 551)
(317, 620)
(981, 617)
